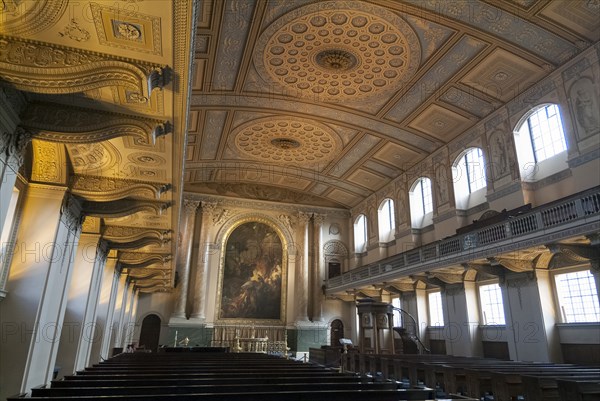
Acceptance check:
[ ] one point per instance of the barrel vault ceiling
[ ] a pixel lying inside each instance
(325, 102)
(307, 102)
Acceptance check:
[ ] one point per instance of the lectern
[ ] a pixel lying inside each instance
(376, 332)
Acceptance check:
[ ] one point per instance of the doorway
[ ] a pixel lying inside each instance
(337, 332)
(150, 332)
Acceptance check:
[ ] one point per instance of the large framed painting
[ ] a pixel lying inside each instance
(253, 274)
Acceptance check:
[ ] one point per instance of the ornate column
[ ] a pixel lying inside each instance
(184, 257)
(301, 279)
(316, 268)
(200, 284)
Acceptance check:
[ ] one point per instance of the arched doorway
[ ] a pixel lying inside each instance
(337, 332)
(150, 332)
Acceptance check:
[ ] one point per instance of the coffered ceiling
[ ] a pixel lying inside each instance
(325, 102)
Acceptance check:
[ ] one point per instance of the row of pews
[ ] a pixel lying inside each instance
(485, 378)
(221, 376)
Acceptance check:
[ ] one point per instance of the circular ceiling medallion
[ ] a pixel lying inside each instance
(288, 140)
(338, 50)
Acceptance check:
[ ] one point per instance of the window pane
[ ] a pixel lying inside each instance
(578, 297)
(436, 315)
(492, 308)
(360, 233)
(426, 194)
(545, 128)
(475, 168)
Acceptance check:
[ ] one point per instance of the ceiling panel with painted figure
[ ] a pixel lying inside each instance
(391, 82)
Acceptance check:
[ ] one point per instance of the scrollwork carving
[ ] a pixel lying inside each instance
(36, 67)
(72, 125)
(109, 189)
(123, 207)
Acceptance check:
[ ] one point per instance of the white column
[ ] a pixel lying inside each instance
(461, 317)
(200, 282)
(316, 269)
(128, 324)
(81, 304)
(106, 307)
(133, 327)
(301, 279)
(184, 257)
(33, 313)
(107, 337)
(123, 305)
(530, 317)
(117, 318)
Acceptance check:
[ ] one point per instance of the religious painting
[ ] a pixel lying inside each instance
(252, 273)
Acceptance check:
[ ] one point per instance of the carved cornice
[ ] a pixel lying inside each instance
(123, 207)
(102, 189)
(576, 252)
(515, 265)
(139, 258)
(35, 67)
(73, 125)
(448, 278)
(145, 274)
(126, 234)
(138, 243)
(493, 270)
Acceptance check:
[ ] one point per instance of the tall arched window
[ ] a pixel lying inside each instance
(387, 220)
(421, 202)
(540, 142)
(468, 173)
(360, 234)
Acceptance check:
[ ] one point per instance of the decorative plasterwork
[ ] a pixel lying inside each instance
(127, 29)
(140, 258)
(104, 189)
(123, 207)
(49, 162)
(333, 51)
(288, 140)
(56, 123)
(25, 18)
(35, 67)
(127, 234)
(138, 243)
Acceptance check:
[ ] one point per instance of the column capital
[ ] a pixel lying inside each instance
(14, 143)
(190, 206)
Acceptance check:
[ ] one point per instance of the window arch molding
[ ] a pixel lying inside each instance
(469, 176)
(540, 142)
(421, 202)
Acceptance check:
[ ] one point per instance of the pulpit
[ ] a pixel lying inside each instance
(376, 334)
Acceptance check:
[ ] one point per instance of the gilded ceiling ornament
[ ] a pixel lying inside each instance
(75, 32)
(287, 140)
(338, 50)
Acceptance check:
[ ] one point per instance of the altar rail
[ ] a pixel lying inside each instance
(567, 217)
(260, 339)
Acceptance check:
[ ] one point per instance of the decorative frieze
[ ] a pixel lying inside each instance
(102, 189)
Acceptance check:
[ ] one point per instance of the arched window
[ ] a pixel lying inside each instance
(468, 173)
(421, 203)
(387, 222)
(360, 234)
(540, 143)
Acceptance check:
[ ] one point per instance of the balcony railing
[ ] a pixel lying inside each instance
(552, 218)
